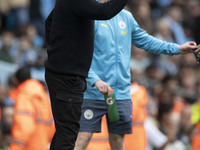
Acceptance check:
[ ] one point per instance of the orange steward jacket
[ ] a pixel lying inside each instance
(100, 141)
(33, 125)
(137, 140)
(196, 138)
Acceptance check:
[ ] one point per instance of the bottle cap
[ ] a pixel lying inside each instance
(111, 90)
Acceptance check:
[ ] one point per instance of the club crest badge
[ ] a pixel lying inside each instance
(88, 114)
(122, 24)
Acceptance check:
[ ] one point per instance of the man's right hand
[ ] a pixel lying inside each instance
(103, 87)
(188, 47)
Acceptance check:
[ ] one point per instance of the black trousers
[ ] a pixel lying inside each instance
(66, 95)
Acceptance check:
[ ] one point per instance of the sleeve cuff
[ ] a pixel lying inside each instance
(91, 81)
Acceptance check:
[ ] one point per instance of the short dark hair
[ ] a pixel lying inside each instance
(23, 74)
(163, 109)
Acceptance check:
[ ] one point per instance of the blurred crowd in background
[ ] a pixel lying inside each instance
(172, 82)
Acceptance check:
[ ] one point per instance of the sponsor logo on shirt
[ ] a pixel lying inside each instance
(104, 25)
(124, 32)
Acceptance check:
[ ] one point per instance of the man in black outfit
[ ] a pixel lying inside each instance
(70, 40)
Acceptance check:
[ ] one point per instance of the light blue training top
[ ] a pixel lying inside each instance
(112, 51)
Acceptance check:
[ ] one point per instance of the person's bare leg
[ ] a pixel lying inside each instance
(82, 140)
(116, 141)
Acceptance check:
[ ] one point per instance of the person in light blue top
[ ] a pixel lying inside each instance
(110, 69)
(112, 53)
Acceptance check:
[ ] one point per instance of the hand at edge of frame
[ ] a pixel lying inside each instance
(188, 47)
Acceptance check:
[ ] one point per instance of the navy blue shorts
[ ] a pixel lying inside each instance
(94, 110)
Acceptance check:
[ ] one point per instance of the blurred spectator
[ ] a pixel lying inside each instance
(27, 55)
(188, 83)
(179, 3)
(2, 96)
(186, 126)
(170, 83)
(4, 55)
(188, 61)
(165, 120)
(163, 31)
(36, 16)
(152, 109)
(42, 56)
(164, 3)
(155, 138)
(167, 64)
(154, 74)
(4, 9)
(39, 10)
(33, 125)
(8, 47)
(142, 13)
(6, 117)
(193, 18)
(18, 14)
(169, 126)
(11, 83)
(164, 97)
(139, 61)
(196, 109)
(33, 36)
(7, 121)
(174, 19)
(191, 13)
(164, 117)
